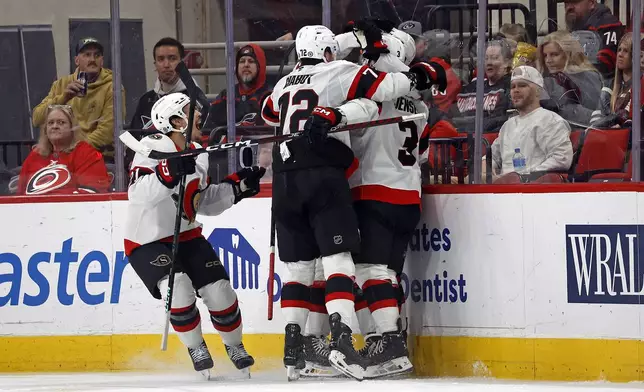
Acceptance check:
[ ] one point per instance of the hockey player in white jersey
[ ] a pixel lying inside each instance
(149, 228)
(312, 202)
(386, 188)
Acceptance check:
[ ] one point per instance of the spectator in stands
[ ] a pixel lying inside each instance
(167, 53)
(93, 107)
(439, 45)
(415, 29)
(542, 136)
(589, 15)
(620, 107)
(62, 162)
(570, 79)
(251, 90)
(513, 33)
(498, 58)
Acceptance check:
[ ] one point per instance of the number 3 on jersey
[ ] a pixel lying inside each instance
(301, 104)
(406, 154)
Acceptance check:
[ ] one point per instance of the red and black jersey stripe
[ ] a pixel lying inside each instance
(365, 83)
(226, 320)
(269, 113)
(185, 319)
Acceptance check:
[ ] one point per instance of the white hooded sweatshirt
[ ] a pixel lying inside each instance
(543, 137)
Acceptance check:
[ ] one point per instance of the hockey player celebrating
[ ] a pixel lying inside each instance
(386, 188)
(152, 197)
(312, 202)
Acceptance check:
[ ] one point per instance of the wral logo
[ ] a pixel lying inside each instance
(603, 264)
(238, 257)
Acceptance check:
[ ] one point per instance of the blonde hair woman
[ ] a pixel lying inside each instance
(621, 95)
(62, 162)
(570, 79)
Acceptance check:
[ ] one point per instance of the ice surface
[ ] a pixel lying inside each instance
(274, 382)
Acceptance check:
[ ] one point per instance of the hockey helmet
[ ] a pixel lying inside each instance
(312, 41)
(166, 108)
(408, 44)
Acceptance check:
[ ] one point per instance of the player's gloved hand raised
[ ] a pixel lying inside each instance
(431, 73)
(369, 35)
(245, 182)
(319, 123)
(170, 171)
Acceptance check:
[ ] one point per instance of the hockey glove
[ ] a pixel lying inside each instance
(429, 74)
(319, 123)
(369, 35)
(245, 182)
(170, 171)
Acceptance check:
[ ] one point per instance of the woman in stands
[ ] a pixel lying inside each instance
(571, 81)
(62, 162)
(498, 63)
(620, 108)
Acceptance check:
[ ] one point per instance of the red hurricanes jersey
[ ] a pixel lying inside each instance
(80, 171)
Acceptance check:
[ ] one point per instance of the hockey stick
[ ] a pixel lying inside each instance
(135, 145)
(181, 68)
(271, 252)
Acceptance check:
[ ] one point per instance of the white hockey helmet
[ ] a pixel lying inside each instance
(395, 46)
(312, 41)
(166, 108)
(408, 43)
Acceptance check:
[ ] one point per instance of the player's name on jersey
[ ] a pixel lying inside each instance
(298, 79)
(406, 105)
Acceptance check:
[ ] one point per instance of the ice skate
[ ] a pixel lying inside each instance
(316, 355)
(343, 356)
(370, 342)
(201, 359)
(240, 358)
(388, 356)
(293, 351)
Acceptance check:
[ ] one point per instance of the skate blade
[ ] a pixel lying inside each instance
(205, 373)
(245, 372)
(395, 367)
(292, 374)
(337, 360)
(313, 370)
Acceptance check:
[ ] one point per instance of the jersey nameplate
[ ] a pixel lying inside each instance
(298, 79)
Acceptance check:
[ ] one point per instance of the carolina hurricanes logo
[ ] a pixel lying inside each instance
(191, 199)
(48, 179)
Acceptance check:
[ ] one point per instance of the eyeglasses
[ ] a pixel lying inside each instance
(60, 123)
(67, 108)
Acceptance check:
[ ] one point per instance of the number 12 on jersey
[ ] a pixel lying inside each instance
(301, 104)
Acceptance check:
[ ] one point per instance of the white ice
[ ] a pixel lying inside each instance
(274, 382)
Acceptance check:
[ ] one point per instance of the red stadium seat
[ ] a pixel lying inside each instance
(617, 176)
(600, 151)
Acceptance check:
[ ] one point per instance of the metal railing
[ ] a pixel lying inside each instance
(14, 152)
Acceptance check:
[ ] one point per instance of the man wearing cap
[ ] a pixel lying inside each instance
(251, 88)
(589, 15)
(415, 29)
(92, 108)
(542, 136)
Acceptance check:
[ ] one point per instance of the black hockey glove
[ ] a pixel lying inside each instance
(431, 73)
(373, 37)
(170, 171)
(319, 123)
(245, 182)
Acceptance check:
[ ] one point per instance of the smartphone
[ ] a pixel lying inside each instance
(82, 77)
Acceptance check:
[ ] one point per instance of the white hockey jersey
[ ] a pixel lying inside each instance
(152, 207)
(389, 169)
(327, 84)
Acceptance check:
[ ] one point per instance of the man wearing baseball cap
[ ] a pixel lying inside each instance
(89, 93)
(415, 29)
(542, 136)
